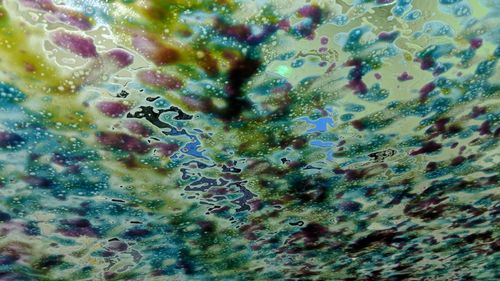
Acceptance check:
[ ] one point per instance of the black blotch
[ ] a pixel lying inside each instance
(10, 139)
(299, 223)
(379, 156)
(153, 117)
(358, 124)
(457, 160)
(151, 99)
(32, 229)
(385, 236)
(240, 72)
(313, 232)
(227, 169)
(431, 166)
(184, 262)
(76, 222)
(4, 217)
(49, 261)
(485, 236)
(8, 260)
(427, 147)
(150, 115)
(206, 226)
(309, 189)
(40, 182)
(136, 233)
(180, 114)
(123, 94)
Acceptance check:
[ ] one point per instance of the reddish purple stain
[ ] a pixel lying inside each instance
(76, 44)
(476, 43)
(457, 160)
(388, 36)
(74, 19)
(112, 109)
(122, 141)
(425, 90)
(120, 57)
(426, 62)
(157, 79)
(45, 5)
(137, 128)
(485, 128)
(313, 12)
(404, 77)
(154, 50)
(427, 148)
(358, 124)
(166, 149)
(477, 111)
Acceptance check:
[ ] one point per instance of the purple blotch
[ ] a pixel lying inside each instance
(76, 44)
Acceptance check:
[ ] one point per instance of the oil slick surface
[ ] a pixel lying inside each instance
(249, 140)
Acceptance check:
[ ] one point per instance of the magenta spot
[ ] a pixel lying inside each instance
(388, 36)
(157, 79)
(137, 128)
(284, 25)
(154, 50)
(120, 57)
(64, 15)
(166, 149)
(377, 76)
(330, 68)
(45, 5)
(485, 128)
(313, 12)
(122, 141)
(358, 86)
(324, 40)
(405, 77)
(426, 62)
(76, 44)
(74, 19)
(112, 109)
(425, 90)
(311, 36)
(476, 43)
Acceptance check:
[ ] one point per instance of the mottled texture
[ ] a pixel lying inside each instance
(249, 140)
